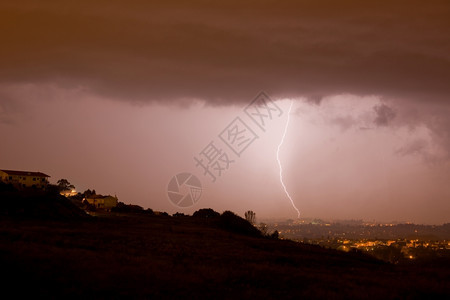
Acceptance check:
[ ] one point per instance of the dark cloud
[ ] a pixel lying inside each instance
(227, 51)
(384, 115)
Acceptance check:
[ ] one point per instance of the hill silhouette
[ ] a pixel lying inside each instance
(145, 256)
(37, 204)
(228, 221)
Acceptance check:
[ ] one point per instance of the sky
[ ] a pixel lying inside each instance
(121, 96)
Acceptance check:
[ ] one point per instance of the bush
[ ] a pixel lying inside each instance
(275, 235)
(127, 208)
(178, 214)
(206, 213)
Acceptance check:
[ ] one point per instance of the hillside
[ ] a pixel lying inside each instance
(37, 204)
(120, 255)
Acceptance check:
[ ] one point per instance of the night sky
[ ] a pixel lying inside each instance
(119, 96)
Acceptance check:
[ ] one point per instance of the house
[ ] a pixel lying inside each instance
(104, 202)
(24, 179)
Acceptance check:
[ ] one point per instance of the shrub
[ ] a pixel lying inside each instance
(206, 213)
(127, 208)
(178, 214)
(275, 235)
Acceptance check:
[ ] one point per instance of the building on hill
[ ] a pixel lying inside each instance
(103, 202)
(24, 179)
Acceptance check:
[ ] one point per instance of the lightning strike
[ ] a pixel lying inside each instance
(279, 162)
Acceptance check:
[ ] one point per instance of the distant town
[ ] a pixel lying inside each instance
(389, 242)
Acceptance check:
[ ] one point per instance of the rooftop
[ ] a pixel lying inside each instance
(25, 173)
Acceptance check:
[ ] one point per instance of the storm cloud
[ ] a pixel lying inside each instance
(225, 52)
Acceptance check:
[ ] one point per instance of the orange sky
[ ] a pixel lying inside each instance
(120, 96)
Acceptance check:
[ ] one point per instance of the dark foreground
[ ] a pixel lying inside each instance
(170, 257)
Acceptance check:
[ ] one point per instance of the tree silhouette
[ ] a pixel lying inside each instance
(64, 185)
(88, 193)
(250, 216)
(275, 234)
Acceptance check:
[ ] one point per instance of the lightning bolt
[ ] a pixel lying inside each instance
(279, 162)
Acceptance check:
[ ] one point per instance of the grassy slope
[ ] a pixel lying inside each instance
(143, 256)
